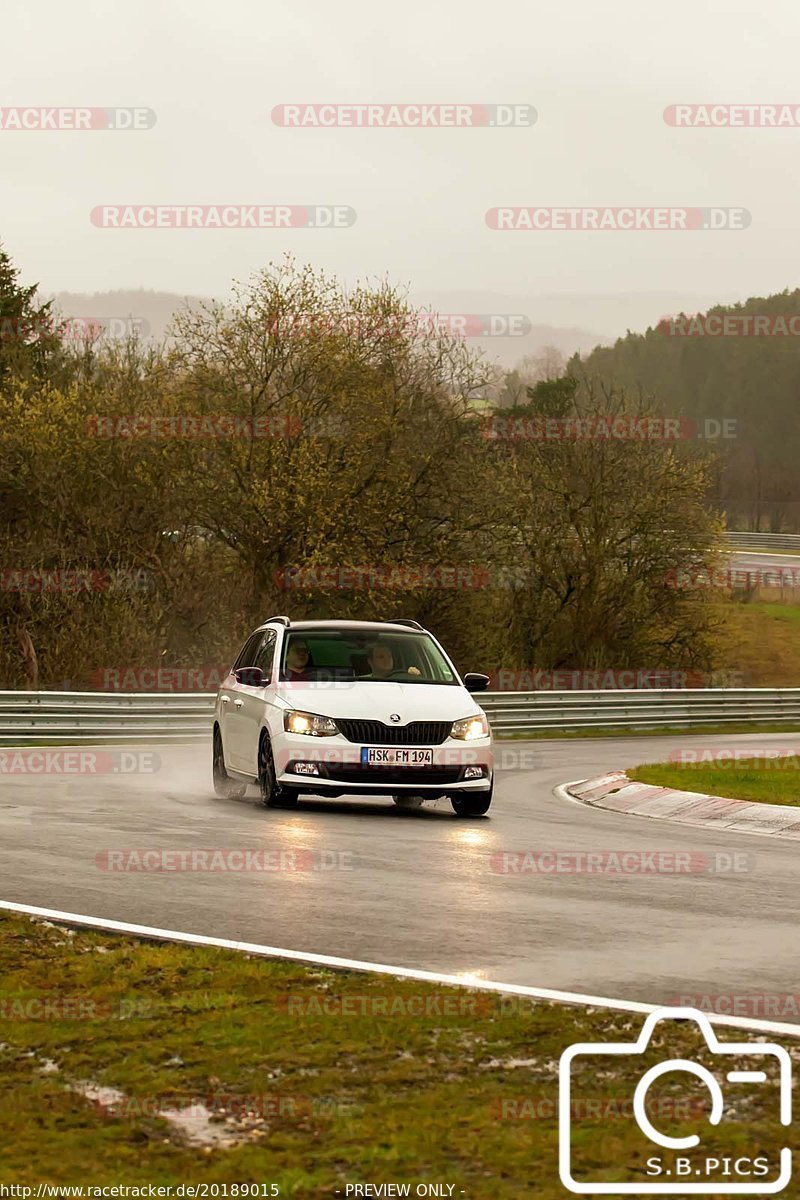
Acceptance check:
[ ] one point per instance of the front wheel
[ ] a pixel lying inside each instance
(225, 787)
(472, 805)
(273, 794)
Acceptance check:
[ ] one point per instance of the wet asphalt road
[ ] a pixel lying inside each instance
(422, 888)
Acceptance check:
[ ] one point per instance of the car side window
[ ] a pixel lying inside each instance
(266, 652)
(247, 654)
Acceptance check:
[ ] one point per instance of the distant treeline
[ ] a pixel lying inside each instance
(735, 372)
(318, 451)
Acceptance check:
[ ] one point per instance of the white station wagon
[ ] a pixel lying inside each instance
(329, 708)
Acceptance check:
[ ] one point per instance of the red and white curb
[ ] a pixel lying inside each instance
(615, 792)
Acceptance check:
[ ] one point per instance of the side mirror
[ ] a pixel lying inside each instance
(251, 676)
(475, 682)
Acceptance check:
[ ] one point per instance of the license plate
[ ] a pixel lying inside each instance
(395, 756)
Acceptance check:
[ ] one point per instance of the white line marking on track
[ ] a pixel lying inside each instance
(354, 964)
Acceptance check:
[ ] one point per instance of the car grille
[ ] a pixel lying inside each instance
(424, 776)
(375, 733)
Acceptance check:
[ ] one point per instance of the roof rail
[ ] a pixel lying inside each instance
(283, 620)
(406, 621)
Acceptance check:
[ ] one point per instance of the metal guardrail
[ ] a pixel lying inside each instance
(521, 712)
(94, 718)
(763, 541)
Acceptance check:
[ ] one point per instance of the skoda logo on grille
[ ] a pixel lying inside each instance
(394, 716)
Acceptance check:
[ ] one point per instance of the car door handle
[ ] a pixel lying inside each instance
(238, 703)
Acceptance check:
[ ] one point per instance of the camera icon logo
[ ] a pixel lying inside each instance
(683, 1166)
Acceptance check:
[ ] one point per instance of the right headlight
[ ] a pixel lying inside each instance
(469, 728)
(296, 721)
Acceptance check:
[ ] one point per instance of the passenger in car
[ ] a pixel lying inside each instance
(298, 658)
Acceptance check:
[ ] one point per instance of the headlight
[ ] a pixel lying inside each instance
(296, 721)
(469, 728)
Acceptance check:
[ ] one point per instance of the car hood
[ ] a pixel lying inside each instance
(368, 701)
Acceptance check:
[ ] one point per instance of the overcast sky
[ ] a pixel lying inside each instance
(599, 76)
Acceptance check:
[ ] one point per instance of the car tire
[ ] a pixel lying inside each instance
(273, 795)
(225, 787)
(404, 801)
(472, 805)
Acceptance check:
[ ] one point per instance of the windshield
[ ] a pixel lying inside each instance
(330, 654)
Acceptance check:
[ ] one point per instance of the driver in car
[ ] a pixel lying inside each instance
(381, 663)
(381, 660)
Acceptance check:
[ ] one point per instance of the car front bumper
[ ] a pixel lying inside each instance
(311, 764)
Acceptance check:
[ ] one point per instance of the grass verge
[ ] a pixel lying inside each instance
(764, 780)
(143, 1063)
(760, 640)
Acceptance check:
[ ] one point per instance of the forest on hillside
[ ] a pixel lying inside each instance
(735, 372)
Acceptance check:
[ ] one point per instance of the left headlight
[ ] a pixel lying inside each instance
(296, 721)
(469, 728)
